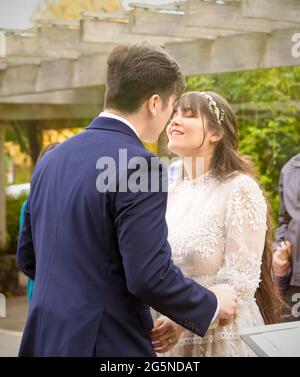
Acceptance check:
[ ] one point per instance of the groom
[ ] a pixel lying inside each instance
(98, 252)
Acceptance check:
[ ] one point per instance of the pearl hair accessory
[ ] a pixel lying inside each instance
(213, 108)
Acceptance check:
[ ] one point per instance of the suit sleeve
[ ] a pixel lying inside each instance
(150, 272)
(25, 250)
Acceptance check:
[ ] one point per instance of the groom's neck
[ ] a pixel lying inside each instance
(136, 119)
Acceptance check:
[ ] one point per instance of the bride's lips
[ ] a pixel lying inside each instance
(174, 131)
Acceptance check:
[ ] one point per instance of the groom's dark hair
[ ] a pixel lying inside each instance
(136, 72)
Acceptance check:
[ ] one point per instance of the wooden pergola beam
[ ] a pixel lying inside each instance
(251, 51)
(97, 35)
(277, 10)
(22, 112)
(23, 78)
(62, 74)
(159, 24)
(172, 5)
(154, 23)
(99, 30)
(48, 43)
(19, 60)
(83, 96)
(229, 16)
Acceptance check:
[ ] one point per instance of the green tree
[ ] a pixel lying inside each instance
(28, 135)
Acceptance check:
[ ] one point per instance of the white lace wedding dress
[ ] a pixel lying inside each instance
(217, 235)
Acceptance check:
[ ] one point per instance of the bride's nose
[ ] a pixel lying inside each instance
(176, 121)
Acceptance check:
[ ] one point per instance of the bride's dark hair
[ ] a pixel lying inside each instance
(226, 162)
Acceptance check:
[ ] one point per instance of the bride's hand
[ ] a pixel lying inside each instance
(165, 334)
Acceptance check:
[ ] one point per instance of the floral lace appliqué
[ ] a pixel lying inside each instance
(247, 204)
(202, 237)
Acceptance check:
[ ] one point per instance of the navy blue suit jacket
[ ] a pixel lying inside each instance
(100, 259)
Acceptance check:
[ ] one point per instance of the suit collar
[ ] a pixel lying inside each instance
(110, 124)
(123, 120)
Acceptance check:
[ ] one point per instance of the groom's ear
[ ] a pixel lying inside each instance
(153, 104)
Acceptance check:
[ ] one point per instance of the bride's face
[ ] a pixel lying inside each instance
(186, 133)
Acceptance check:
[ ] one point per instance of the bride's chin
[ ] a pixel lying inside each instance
(176, 150)
(172, 148)
(180, 152)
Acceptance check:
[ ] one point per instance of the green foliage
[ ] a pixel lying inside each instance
(13, 208)
(9, 270)
(269, 130)
(22, 174)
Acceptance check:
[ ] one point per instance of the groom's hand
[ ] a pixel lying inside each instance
(165, 334)
(227, 298)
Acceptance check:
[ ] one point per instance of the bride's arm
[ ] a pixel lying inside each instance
(245, 231)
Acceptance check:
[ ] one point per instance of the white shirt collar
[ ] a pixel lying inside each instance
(117, 117)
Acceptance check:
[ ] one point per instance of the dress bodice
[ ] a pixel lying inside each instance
(217, 230)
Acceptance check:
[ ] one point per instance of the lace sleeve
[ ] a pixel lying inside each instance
(245, 231)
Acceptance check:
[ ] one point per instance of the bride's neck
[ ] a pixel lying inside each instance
(196, 166)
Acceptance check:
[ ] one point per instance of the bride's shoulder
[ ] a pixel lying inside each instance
(244, 183)
(242, 177)
(247, 200)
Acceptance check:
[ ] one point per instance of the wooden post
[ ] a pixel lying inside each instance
(2, 189)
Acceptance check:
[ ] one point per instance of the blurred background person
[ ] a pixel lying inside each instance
(286, 258)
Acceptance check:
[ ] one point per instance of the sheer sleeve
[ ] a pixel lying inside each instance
(245, 231)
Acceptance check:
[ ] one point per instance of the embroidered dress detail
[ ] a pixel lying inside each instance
(217, 234)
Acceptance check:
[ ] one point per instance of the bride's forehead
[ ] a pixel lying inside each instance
(191, 103)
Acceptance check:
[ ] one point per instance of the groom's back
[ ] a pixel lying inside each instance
(86, 241)
(80, 297)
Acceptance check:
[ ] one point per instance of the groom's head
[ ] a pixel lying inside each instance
(146, 80)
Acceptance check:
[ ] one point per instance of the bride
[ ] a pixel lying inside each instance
(219, 228)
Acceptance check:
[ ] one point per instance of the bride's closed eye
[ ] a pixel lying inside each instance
(188, 114)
